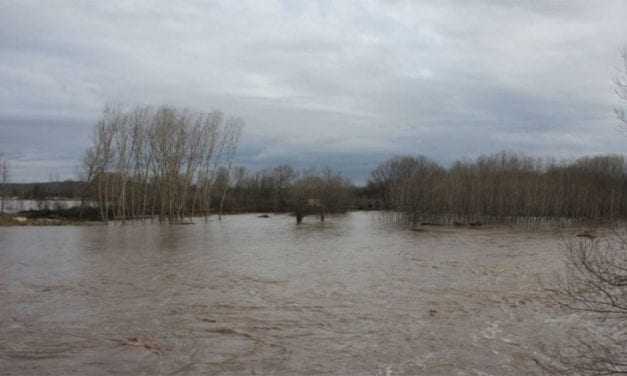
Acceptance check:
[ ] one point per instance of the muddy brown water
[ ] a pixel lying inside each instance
(253, 296)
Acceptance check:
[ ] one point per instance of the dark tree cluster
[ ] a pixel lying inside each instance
(504, 187)
(283, 189)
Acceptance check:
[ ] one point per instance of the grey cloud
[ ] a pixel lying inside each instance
(339, 83)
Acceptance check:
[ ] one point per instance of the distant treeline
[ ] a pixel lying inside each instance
(503, 187)
(67, 189)
(172, 164)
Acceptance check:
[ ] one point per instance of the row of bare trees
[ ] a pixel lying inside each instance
(162, 161)
(503, 187)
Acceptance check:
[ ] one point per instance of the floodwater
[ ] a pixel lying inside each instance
(254, 296)
(14, 205)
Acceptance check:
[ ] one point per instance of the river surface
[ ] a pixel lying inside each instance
(254, 296)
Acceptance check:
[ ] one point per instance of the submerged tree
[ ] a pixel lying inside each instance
(319, 192)
(229, 144)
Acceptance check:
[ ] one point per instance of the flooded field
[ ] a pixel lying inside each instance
(253, 296)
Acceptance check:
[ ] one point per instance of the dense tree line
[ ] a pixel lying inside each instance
(503, 187)
(158, 161)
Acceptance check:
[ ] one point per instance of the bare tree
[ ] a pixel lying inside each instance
(595, 288)
(4, 179)
(230, 142)
(282, 178)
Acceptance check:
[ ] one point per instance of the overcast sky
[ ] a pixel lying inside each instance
(337, 83)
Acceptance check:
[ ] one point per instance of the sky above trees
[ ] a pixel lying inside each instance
(344, 84)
